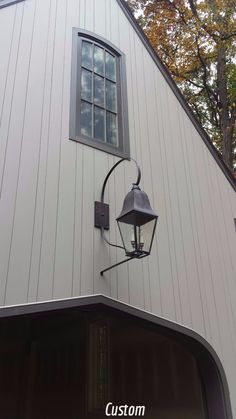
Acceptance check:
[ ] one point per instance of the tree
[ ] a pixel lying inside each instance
(196, 40)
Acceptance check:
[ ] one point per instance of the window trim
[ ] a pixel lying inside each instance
(5, 3)
(123, 149)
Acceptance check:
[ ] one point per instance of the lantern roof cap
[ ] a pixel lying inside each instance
(136, 208)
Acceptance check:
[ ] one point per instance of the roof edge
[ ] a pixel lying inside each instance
(203, 134)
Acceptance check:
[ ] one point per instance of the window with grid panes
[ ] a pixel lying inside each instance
(98, 109)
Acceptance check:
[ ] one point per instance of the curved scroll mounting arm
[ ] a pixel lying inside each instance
(103, 193)
(109, 173)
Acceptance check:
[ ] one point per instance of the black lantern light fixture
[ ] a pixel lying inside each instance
(136, 222)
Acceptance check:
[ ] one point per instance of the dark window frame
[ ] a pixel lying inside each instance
(123, 148)
(5, 3)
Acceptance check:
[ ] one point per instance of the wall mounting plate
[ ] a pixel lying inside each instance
(101, 215)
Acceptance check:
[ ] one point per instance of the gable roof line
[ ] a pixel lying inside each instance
(205, 137)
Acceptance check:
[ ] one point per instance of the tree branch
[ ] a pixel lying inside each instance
(182, 76)
(193, 9)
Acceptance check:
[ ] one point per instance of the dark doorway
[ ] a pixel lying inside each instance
(69, 363)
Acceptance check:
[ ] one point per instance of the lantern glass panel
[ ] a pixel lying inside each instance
(137, 239)
(147, 231)
(127, 233)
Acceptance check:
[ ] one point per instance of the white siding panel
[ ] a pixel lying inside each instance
(82, 13)
(88, 232)
(218, 272)
(189, 234)
(8, 195)
(89, 14)
(19, 265)
(108, 19)
(99, 25)
(171, 147)
(197, 225)
(227, 333)
(8, 86)
(14, 150)
(39, 211)
(7, 26)
(63, 273)
(164, 230)
(225, 234)
(49, 234)
(78, 222)
(227, 213)
(114, 23)
(205, 244)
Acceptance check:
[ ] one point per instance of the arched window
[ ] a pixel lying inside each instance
(98, 111)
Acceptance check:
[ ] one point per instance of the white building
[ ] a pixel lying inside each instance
(80, 87)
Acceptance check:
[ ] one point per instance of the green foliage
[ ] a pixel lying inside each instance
(196, 40)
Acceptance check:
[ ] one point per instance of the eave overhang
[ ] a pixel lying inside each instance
(211, 368)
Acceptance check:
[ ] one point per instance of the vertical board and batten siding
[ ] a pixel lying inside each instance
(49, 248)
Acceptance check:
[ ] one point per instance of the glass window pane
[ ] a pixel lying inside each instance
(98, 60)
(86, 119)
(111, 96)
(86, 85)
(98, 90)
(87, 55)
(111, 126)
(99, 123)
(110, 66)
